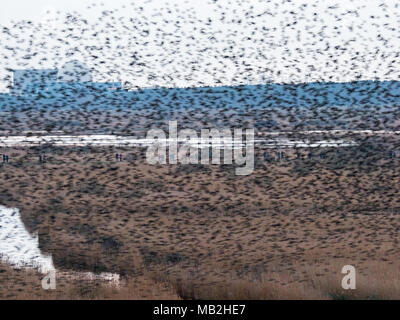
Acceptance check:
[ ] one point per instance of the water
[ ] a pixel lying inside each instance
(115, 140)
(20, 249)
(17, 246)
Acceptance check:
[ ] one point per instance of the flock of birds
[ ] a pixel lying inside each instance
(316, 65)
(272, 65)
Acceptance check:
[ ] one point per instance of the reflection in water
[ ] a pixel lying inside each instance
(17, 246)
(114, 140)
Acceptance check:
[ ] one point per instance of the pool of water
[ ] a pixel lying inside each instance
(17, 246)
(20, 249)
(115, 140)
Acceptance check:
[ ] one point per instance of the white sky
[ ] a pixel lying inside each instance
(171, 43)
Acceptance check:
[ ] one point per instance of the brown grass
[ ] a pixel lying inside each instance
(24, 284)
(378, 281)
(283, 232)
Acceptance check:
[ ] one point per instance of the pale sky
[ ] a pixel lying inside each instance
(172, 43)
